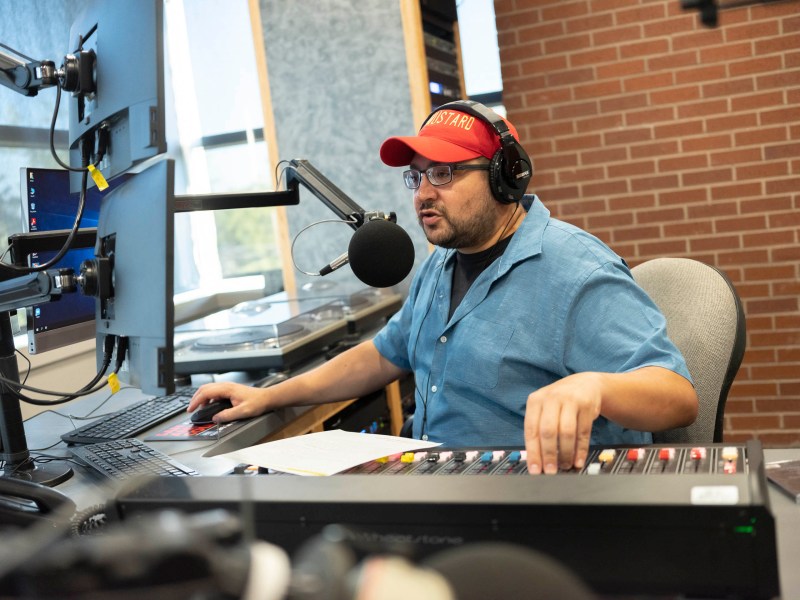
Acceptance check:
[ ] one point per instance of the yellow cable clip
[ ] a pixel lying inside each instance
(113, 383)
(99, 180)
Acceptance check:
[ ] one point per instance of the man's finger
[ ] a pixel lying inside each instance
(532, 444)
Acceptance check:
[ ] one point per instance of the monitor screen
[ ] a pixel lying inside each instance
(47, 205)
(127, 39)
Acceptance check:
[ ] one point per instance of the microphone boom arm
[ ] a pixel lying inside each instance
(302, 171)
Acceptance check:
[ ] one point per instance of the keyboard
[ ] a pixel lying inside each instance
(132, 420)
(123, 459)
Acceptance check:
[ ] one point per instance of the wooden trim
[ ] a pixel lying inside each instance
(311, 421)
(393, 401)
(308, 422)
(271, 140)
(411, 16)
(461, 82)
(417, 64)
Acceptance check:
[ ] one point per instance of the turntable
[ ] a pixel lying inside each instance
(364, 309)
(277, 332)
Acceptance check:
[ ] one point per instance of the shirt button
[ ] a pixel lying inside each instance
(443, 339)
(434, 388)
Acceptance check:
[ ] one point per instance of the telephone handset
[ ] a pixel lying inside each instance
(23, 503)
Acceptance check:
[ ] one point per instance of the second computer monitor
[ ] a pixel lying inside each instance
(47, 205)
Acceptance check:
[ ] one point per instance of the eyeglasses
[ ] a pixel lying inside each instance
(437, 174)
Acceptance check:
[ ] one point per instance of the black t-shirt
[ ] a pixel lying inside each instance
(469, 266)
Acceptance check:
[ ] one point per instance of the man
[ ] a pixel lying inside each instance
(518, 328)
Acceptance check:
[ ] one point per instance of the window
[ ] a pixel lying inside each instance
(217, 142)
(215, 135)
(479, 52)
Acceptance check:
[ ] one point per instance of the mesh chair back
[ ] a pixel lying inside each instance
(706, 322)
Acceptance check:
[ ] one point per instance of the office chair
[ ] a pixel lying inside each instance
(705, 320)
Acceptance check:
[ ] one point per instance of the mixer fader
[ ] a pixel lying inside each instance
(650, 460)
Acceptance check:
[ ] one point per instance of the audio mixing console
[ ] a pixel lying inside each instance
(660, 520)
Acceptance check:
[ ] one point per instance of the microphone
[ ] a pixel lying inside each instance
(380, 253)
(336, 263)
(334, 566)
(507, 570)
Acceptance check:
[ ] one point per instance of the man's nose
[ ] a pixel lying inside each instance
(426, 189)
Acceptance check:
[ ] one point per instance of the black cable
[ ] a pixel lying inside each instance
(122, 351)
(82, 39)
(85, 152)
(25, 464)
(48, 458)
(412, 354)
(86, 391)
(91, 415)
(89, 388)
(67, 244)
(491, 256)
(52, 137)
(27, 360)
(31, 388)
(53, 445)
(88, 416)
(279, 176)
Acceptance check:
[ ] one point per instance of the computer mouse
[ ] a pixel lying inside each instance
(205, 413)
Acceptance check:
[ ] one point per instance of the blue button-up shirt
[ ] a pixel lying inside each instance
(557, 302)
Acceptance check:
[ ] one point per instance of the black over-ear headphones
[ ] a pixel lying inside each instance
(510, 169)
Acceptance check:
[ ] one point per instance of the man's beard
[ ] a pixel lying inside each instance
(460, 232)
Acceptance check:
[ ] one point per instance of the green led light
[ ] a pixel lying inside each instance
(744, 529)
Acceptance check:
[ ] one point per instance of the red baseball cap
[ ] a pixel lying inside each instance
(449, 136)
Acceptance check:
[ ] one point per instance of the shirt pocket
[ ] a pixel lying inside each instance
(477, 358)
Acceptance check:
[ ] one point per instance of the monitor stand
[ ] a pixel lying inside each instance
(18, 462)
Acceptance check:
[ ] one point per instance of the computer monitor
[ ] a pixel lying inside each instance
(119, 104)
(127, 39)
(135, 234)
(123, 111)
(47, 205)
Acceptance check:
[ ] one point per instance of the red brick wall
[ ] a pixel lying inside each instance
(666, 138)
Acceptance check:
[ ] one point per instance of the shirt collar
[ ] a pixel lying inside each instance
(527, 240)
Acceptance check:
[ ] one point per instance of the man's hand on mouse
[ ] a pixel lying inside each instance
(247, 401)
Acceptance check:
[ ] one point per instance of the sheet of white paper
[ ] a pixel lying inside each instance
(325, 453)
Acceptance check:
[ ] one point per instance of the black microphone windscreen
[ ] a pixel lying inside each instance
(381, 253)
(507, 571)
